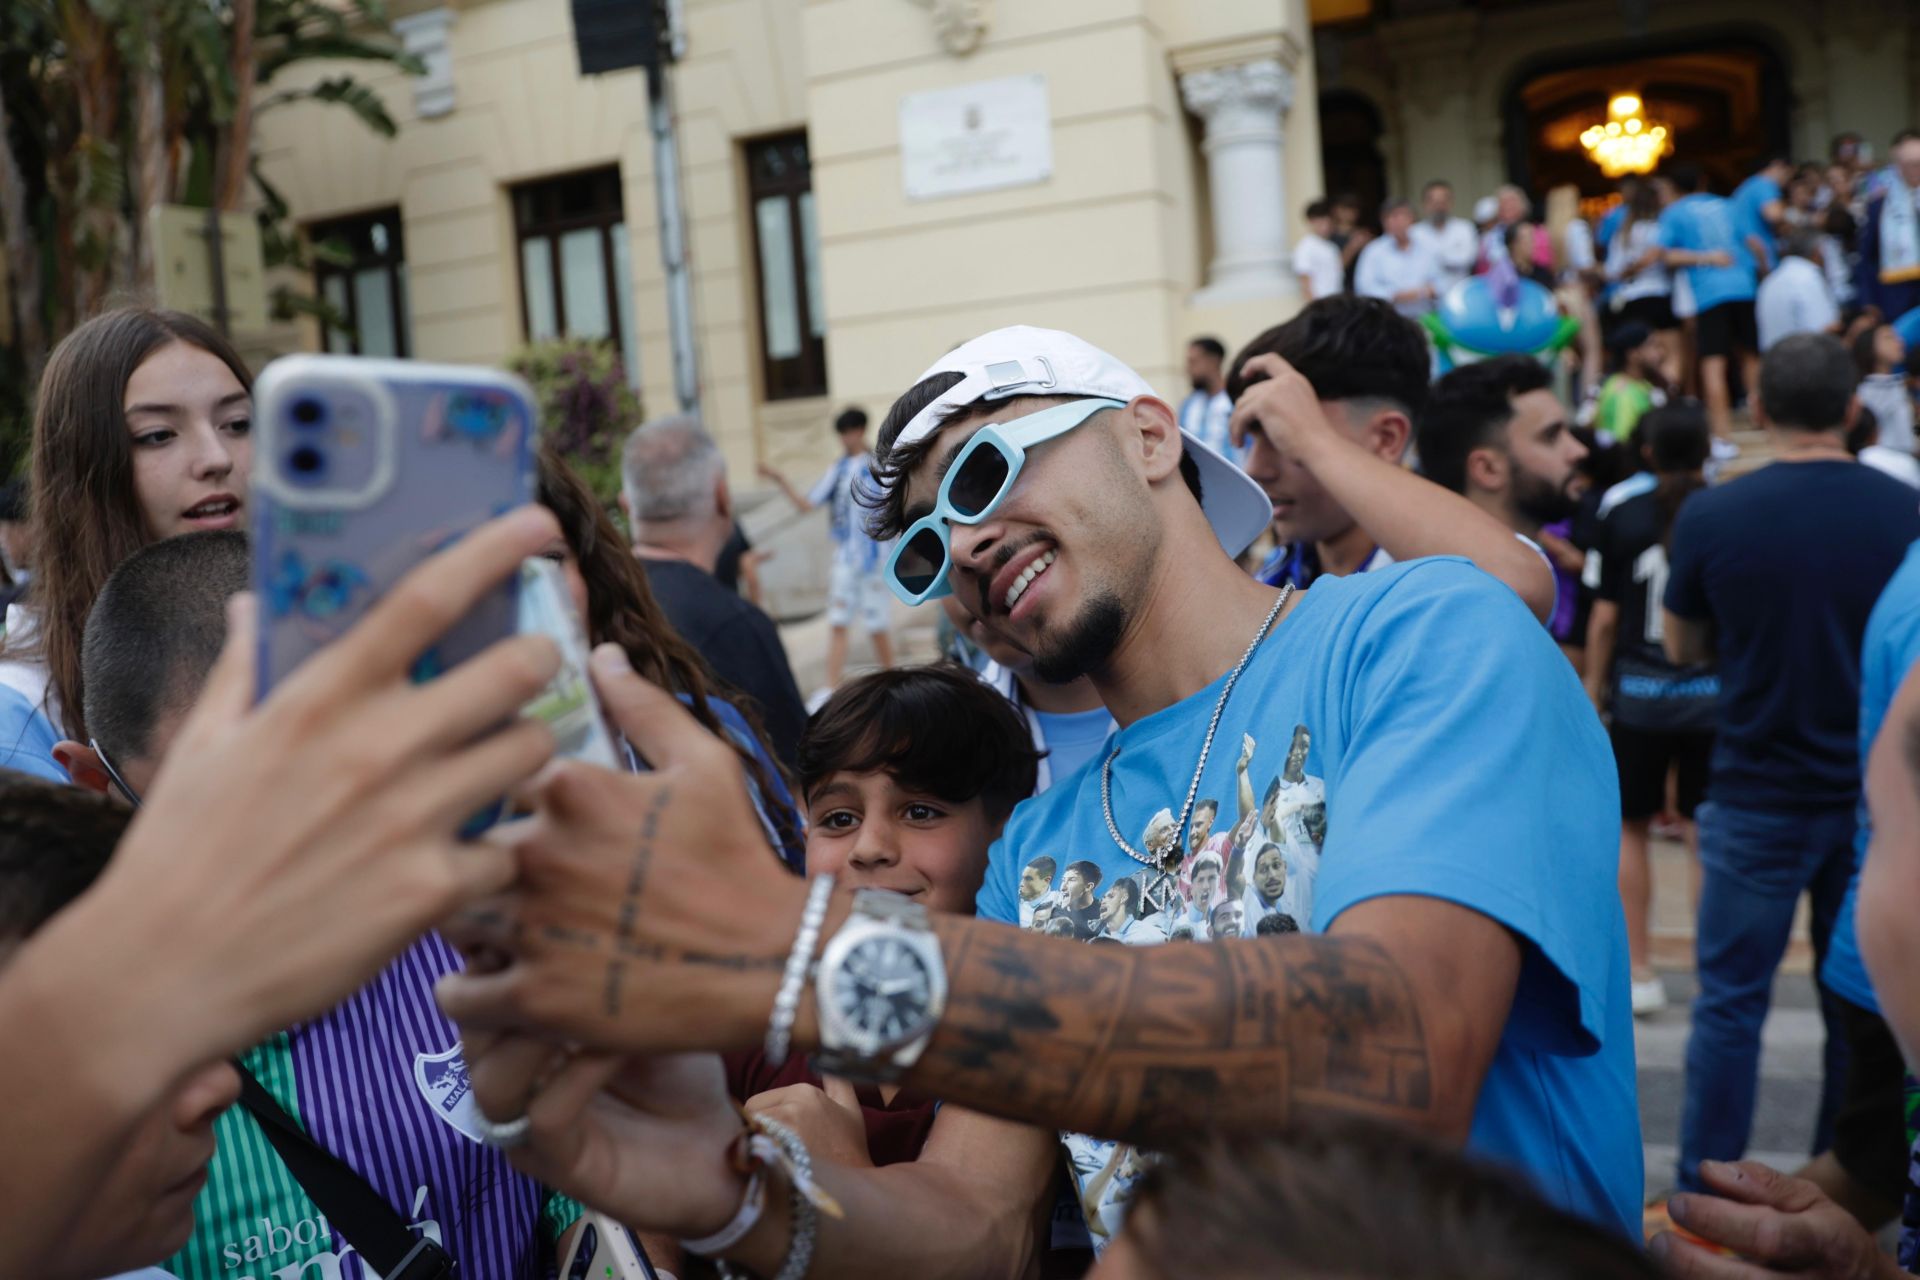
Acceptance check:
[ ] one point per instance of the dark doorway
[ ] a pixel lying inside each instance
(1726, 102)
(1350, 157)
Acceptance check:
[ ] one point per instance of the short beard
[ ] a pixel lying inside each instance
(1539, 502)
(1088, 644)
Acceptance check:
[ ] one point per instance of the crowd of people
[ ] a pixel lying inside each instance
(1377, 683)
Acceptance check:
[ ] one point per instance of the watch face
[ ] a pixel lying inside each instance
(883, 989)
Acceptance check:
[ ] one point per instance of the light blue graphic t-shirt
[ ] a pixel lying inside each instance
(1704, 224)
(1407, 731)
(1891, 647)
(1073, 738)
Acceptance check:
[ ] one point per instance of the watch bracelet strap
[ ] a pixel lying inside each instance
(793, 978)
(888, 1066)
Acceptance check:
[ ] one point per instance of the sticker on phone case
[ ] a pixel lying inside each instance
(319, 593)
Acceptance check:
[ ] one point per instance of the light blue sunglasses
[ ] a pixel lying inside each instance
(977, 482)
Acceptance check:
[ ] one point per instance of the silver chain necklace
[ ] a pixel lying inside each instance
(1164, 856)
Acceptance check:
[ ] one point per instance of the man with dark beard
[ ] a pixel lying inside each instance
(1495, 432)
(1460, 962)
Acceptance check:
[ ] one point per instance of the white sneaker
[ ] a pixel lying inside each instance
(1649, 996)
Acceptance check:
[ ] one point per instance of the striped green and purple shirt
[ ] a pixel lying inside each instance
(379, 1082)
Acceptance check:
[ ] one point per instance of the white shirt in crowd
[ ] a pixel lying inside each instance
(1386, 269)
(1629, 245)
(1316, 260)
(1794, 298)
(1454, 246)
(1901, 466)
(1892, 404)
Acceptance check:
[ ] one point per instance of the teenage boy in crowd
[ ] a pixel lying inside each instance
(1398, 268)
(378, 1081)
(1660, 716)
(1205, 411)
(855, 588)
(1774, 576)
(1494, 432)
(1636, 386)
(1701, 241)
(1341, 500)
(1316, 258)
(1453, 241)
(1461, 968)
(54, 843)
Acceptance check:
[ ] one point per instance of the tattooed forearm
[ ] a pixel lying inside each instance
(1143, 1043)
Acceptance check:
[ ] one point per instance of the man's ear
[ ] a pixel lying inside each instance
(82, 764)
(1388, 434)
(1487, 469)
(1158, 433)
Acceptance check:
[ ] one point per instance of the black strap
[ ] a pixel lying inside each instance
(377, 1233)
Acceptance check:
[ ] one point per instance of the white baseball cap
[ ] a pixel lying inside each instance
(1021, 360)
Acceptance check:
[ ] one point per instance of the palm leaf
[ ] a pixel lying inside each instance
(346, 91)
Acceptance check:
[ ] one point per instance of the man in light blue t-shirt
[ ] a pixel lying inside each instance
(1405, 766)
(1703, 241)
(1757, 207)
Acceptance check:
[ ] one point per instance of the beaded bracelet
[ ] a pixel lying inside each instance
(793, 981)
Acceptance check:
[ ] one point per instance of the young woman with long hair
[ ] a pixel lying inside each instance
(140, 431)
(610, 591)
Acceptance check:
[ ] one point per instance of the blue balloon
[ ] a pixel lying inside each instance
(1528, 321)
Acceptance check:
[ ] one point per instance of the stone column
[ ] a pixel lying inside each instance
(1244, 107)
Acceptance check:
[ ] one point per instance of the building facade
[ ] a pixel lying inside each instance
(1486, 93)
(865, 183)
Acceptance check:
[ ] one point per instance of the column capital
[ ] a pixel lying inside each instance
(1263, 85)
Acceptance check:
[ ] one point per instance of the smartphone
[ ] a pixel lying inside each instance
(568, 705)
(362, 468)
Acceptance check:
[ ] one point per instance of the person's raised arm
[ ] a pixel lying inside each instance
(1406, 515)
(340, 799)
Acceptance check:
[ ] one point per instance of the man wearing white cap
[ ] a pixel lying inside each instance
(1462, 966)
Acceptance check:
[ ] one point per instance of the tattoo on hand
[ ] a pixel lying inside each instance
(629, 914)
(1144, 1043)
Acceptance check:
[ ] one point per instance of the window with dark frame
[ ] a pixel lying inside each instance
(575, 267)
(369, 291)
(786, 240)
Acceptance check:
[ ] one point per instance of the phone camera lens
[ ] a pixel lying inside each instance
(308, 412)
(307, 463)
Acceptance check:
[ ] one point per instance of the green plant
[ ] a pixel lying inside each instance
(586, 406)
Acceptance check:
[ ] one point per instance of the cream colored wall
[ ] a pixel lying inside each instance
(523, 111)
(1111, 246)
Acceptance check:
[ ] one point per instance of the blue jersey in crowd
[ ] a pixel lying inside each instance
(1747, 201)
(1704, 224)
(844, 489)
(1786, 564)
(1891, 648)
(1406, 731)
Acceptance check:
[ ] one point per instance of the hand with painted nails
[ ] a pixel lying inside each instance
(1774, 1224)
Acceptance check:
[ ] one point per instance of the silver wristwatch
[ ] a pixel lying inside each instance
(881, 986)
